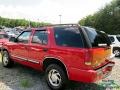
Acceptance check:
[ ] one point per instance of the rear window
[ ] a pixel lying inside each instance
(118, 38)
(112, 38)
(97, 37)
(68, 36)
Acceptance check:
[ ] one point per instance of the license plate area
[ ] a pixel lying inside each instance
(105, 70)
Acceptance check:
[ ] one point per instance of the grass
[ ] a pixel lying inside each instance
(104, 85)
(25, 83)
(109, 84)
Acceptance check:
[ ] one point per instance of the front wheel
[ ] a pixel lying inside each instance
(6, 62)
(55, 77)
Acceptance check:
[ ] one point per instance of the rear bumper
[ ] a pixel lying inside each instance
(91, 76)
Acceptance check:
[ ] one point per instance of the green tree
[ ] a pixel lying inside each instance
(20, 22)
(106, 19)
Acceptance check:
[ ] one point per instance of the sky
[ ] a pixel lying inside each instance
(71, 11)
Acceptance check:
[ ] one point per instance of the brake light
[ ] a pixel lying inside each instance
(88, 57)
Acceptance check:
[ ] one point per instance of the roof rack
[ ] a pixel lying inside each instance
(56, 25)
(64, 25)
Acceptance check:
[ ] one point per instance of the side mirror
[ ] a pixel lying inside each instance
(12, 39)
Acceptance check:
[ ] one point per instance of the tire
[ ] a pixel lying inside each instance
(56, 77)
(116, 52)
(6, 61)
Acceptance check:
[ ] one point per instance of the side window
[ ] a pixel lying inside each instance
(112, 38)
(6, 36)
(68, 36)
(24, 37)
(40, 37)
(118, 38)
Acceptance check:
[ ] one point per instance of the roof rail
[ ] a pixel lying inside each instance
(62, 25)
(55, 25)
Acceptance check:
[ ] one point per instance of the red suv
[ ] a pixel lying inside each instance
(64, 52)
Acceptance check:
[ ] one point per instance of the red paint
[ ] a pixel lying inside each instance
(3, 39)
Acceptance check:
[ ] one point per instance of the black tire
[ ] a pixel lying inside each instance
(6, 61)
(60, 74)
(116, 51)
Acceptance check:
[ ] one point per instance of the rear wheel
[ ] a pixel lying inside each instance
(116, 52)
(6, 62)
(55, 76)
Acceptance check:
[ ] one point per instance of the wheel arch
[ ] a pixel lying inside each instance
(4, 49)
(114, 48)
(52, 60)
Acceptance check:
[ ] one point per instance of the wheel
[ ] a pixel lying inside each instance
(6, 62)
(55, 77)
(116, 52)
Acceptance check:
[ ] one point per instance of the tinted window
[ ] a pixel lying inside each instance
(40, 37)
(24, 37)
(112, 38)
(118, 38)
(6, 36)
(68, 36)
(97, 37)
(3, 36)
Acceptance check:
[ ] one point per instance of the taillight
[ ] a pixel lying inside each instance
(88, 57)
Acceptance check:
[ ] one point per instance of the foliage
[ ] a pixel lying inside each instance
(109, 85)
(20, 22)
(25, 83)
(106, 19)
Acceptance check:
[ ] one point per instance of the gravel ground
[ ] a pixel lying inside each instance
(22, 78)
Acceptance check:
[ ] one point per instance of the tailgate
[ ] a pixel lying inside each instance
(100, 46)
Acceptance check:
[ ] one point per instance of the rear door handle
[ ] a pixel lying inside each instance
(45, 49)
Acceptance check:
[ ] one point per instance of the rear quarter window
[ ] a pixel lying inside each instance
(68, 37)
